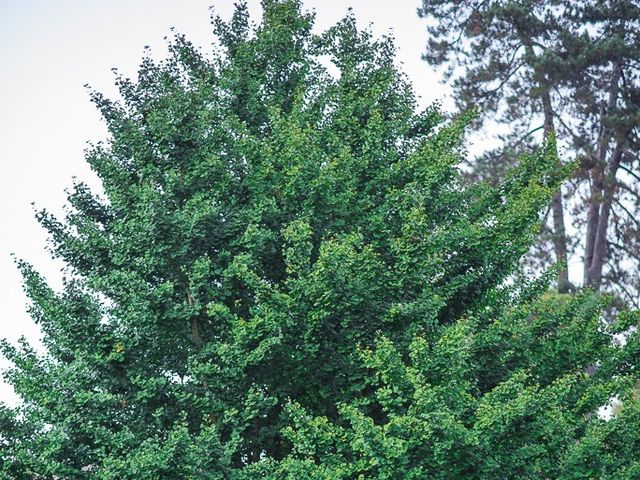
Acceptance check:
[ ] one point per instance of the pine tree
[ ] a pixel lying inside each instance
(604, 131)
(285, 276)
(567, 68)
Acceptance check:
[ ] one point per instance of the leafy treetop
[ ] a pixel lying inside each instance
(285, 277)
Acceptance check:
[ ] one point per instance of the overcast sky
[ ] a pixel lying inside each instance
(50, 49)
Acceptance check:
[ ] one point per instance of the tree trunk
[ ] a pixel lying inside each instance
(600, 243)
(602, 190)
(557, 207)
(596, 174)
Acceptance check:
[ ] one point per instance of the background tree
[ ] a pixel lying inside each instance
(284, 263)
(604, 115)
(568, 68)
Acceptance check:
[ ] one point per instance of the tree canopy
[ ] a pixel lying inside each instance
(285, 276)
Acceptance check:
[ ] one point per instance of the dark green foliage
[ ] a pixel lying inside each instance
(285, 278)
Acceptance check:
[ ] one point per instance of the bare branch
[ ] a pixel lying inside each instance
(634, 175)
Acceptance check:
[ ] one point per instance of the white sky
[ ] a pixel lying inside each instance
(50, 49)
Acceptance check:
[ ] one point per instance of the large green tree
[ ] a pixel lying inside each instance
(567, 68)
(284, 276)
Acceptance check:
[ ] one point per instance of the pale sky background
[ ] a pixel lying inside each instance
(50, 49)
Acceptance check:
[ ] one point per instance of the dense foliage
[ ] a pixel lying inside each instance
(285, 277)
